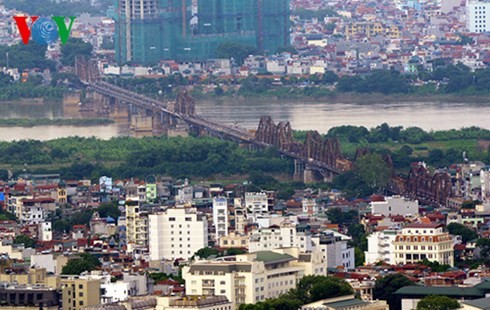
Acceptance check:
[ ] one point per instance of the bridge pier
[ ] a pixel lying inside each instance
(299, 170)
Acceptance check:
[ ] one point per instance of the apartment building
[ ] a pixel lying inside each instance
(136, 223)
(335, 249)
(381, 247)
(478, 15)
(250, 278)
(79, 293)
(395, 205)
(256, 203)
(220, 217)
(417, 242)
(177, 233)
(283, 236)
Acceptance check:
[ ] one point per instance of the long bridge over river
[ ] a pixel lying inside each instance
(316, 159)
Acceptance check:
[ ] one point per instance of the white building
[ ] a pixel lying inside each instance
(335, 249)
(256, 203)
(395, 205)
(310, 206)
(194, 303)
(283, 236)
(45, 232)
(381, 247)
(177, 233)
(478, 15)
(253, 277)
(417, 242)
(220, 217)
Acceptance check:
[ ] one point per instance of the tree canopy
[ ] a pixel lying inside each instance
(75, 47)
(86, 262)
(373, 170)
(386, 287)
(436, 302)
(235, 50)
(23, 239)
(466, 233)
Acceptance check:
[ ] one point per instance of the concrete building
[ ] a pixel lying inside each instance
(234, 240)
(256, 203)
(79, 293)
(283, 236)
(335, 249)
(348, 302)
(417, 242)
(381, 247)
(240, 216)
(395, 205)
(27, 297)
(478, 15)
(220, 217)
(253, 277)
(136, 223)
(194, 302)
(177, 233)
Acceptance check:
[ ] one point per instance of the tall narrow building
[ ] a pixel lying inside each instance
(191, 30)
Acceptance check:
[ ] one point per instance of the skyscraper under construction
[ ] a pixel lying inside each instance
(191, 30)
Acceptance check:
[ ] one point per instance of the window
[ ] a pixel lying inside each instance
(171, 219)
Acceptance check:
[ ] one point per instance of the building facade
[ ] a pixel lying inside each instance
(177, 233)
(381, 247)
(220, 217)
(79, 293)
(148, 31)
(136, 223)
(395, 205)
(478, 15)
(417, 242)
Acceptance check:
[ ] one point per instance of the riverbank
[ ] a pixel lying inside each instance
(32, 122)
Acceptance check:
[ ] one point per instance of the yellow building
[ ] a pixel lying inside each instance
(369, 29)
(417, 242)
(136, 223)
(79, 293)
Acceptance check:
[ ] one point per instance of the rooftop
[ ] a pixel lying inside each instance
(346, 303)
(269, 257)
(451, 291)
(482, 303)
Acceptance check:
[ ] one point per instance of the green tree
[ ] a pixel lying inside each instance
(73, 48)
(86, 262)
(435, 302)
(373, 170)
(386, 287)
(466, 233)
(23, 239)
(206, 252)
(235, 50)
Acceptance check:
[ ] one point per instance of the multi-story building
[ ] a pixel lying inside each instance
(194, 303)
(283, 236)
(310, 206)
(136, 223)
(28, 297)
(234, 240)
(478, 15)
(79, 293)
(252, 277)
(335, 249)
(381, 247)
(177, 233)
(256, 203)
(417, 242)
(186, 30)
(240, 216)
(220, 217)
(395, 205)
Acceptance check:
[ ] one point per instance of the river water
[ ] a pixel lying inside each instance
(303, 115)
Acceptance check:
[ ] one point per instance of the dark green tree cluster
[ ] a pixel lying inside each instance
(204, 253)
(25, 56)
(86, 262)
(319, 14)
(379, 81)
(436, 302)
(73, 48)
(435, 266)
(385, 288)
(466, 233)
(308, 290)
(23, 239)
(63, 223)
(47, 8)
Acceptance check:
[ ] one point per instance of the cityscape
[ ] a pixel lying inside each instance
(244, 154)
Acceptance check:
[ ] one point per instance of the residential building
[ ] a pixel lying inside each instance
(79, 293)
(256, 203)
(253, 277)
(348, 302)
(28, 297)
(234, 240)
(186, 30)
(240, 216)
(194, 302)
(283, 236)
(335, 249)
(220, 217)
(177, 233)
(381, 247)
(417, 242)
(478, 15)
(395, 205)
(136, 223)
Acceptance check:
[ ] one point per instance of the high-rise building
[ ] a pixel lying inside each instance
(478, 15)
(188, 30)
(220, 216)
(177, 233)
(136, 223)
